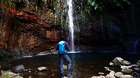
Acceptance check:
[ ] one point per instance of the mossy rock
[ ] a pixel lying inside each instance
(8, 74)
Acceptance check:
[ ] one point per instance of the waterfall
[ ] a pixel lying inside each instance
(70, 23)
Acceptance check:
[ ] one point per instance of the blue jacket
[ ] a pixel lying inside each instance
(65, 47)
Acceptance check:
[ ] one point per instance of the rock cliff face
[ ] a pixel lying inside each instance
(27, 41)
(26, 31)
(3, 38)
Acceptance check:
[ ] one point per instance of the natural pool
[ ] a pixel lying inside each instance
(85, 65)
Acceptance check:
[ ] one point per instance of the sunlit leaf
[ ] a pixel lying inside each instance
(93, 3)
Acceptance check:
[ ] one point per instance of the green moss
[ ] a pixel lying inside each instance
(8, 74)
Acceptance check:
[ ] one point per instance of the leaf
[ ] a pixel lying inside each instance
(96, 7)
(93, 3)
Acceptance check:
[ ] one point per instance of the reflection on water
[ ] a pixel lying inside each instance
(85, 64)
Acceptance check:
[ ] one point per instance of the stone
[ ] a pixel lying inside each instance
(126, 69)
(19, 69)
(136, 69)
(125, 62)
(121, 75)
(117, 61)
(111, 75)
(98, 77)
(138, 63)
(111, 64)
(41, 73)
(126, 76)
(42, 68)
(118, 74)
(107, 69)
(65, 77)
(120, 61)
(134, 65)
(101, 73)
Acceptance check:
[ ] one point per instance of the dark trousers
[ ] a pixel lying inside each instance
(62, 59)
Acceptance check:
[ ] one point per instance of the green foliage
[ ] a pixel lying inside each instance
(102, 5)
(96, 4)
(8, 3)
(39, 3)
(82, 8)
(87, 9)
(6, 76)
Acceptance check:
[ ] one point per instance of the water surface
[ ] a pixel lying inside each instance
(85, 65)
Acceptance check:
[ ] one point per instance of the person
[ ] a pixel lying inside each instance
(62, 49)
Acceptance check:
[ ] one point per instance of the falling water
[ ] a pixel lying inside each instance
(71, 30)
(70, 23)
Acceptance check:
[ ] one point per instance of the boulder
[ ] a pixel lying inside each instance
(107, 69)
(138, 63)
(42, 68)
(120, 61)
(101, 73)
(98, 77)
(126, 76)
(136, 69)
(111, 74)
(118, 74)
(41, 73)
(126, 69)
(125, 62)
(111, 64)
(65, 77)
(19, 68)
(121, 75)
